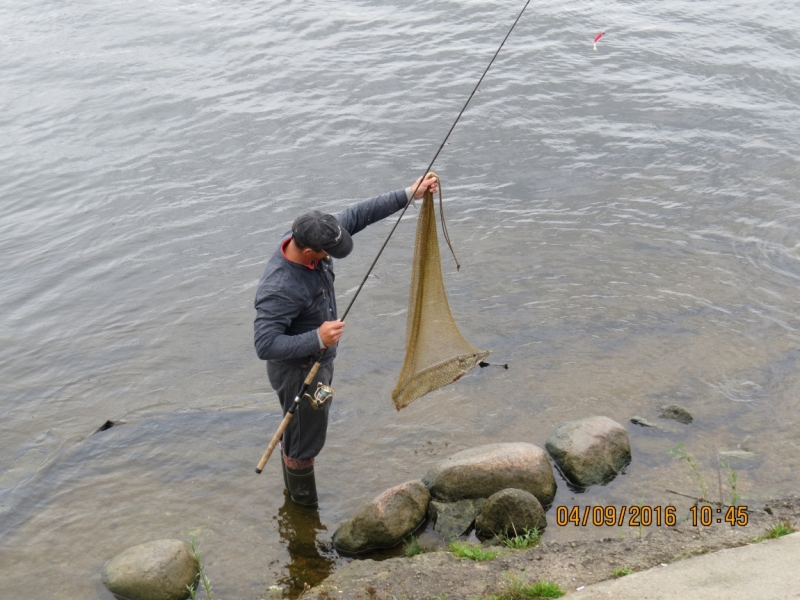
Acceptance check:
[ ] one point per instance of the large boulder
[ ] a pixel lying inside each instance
(451, 519)
(482, 471)
(590, 451)
(510, 512)
(158, 570)
(385, 521)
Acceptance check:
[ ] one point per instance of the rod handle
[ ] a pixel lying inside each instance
(311, 374)
(288, 417)
(275, 439)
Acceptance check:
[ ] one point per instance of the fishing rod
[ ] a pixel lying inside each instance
(323, 392)
(435, 156)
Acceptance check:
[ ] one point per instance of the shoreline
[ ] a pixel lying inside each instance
(572, 564)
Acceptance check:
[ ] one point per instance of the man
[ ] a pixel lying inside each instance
(296, 319)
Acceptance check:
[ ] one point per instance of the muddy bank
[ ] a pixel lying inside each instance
(571, 564)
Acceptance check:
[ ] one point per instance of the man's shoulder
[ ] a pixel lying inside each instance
(282, 276)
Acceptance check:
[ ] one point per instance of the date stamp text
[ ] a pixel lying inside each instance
(647, 516)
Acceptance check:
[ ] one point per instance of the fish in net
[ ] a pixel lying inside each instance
(436, 352)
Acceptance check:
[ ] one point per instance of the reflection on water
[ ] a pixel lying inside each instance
(311, 556)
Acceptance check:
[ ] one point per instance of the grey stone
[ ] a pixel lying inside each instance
(430, 541)
(385, 521)
(589, 451)
(510, 512)
(157, 570)
(485, 470)
(676, 413)
(637, 420)
(451, 519)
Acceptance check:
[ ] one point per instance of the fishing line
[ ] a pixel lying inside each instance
(604, 28)
(430, 166)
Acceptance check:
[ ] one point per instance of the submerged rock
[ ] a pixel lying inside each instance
(485, 470)
(637, 420)
(510, 512)
(737, 454)
(590, 451)
(385, 521)
(451, 519)
(677, 413)
(158, 570)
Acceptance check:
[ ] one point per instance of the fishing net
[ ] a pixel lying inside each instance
(436, 352)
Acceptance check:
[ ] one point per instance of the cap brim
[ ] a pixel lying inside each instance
(343, 247)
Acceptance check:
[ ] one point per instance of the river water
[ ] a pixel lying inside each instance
(628, 221)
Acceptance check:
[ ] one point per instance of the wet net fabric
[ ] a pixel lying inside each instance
(436, 352)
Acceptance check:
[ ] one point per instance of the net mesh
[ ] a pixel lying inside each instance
(436, 352)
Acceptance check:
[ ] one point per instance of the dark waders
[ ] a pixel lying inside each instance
(304, 436)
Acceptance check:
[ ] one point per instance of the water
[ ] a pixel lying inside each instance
(628, 223)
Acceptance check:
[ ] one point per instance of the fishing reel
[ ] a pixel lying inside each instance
(321, 397)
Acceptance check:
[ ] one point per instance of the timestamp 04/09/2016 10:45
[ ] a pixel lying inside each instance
(646, 516)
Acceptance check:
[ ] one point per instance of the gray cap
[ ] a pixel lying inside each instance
(320, 231)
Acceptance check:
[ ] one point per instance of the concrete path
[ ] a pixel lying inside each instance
(766, 571)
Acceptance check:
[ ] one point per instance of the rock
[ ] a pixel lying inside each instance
(677, 413)
(451, 519)
(636, 420)
(510, 512)
(485, 470)
(736, 453)
(589, 451)
(430, 541)
(158, 570)
(386, 521)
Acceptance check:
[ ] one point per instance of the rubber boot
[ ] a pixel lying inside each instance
(285, 477)
(302, 486)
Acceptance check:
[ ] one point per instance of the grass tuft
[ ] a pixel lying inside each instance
(529, 538)
(412, 547)
(464, 550)
(681, 454)
(516, 589)
(780, 530)
(733, 478)
(622, 571)
(202, 578)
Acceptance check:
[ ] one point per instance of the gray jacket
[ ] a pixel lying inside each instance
(293, 300)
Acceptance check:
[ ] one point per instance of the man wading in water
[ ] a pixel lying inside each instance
(296, 319)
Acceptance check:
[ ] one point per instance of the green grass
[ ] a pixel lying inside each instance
(622, 571)
(202, 578)
(733, 479)
(529, 538)
(520, 590)
(779, 530)
(464, 550)
(412, 547)
(681, 454)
